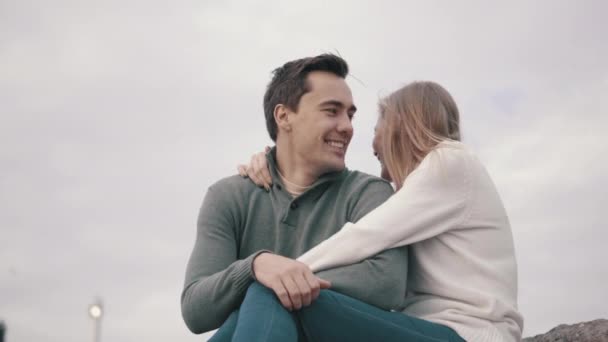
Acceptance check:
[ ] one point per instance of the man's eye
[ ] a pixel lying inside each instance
(331, 110)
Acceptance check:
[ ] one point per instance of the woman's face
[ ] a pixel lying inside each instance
(377, 146)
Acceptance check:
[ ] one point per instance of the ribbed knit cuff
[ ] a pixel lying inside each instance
(242, 275)
(255, 255)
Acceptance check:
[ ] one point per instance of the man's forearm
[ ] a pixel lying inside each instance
(208, 301)
(216, 280)
(380, 281)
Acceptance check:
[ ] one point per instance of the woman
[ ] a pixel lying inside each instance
(463, 274)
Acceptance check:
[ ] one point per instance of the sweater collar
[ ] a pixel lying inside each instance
(325, 178)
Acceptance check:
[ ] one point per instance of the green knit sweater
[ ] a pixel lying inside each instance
(238, 220)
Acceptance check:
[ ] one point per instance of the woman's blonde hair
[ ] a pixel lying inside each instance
(416, 118)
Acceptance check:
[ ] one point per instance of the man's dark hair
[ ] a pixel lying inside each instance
(288, 84)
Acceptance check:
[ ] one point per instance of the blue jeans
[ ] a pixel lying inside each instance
(332, 317)
(261, 317)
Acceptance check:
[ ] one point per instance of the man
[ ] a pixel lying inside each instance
(246, 233)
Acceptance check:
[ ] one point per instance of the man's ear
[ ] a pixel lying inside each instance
(281, 116)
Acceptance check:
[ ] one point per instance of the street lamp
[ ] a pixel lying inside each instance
(96, 312)
(2, 330)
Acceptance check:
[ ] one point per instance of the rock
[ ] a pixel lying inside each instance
(593, 331)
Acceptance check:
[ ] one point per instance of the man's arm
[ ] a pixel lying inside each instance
(380, 280)
(216, 281)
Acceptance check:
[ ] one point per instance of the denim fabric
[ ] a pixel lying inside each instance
(336, 317)
(332, 317)
(261, 317)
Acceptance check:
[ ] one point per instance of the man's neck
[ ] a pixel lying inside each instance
(296, 174)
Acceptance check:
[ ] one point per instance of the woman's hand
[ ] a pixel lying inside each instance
(257, 170)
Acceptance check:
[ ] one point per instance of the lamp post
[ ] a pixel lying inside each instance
(96, 312)
(2, 330)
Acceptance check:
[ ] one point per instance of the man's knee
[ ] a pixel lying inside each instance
(327, 299)
(257, 289)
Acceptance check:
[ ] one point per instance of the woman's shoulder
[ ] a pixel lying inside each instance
(453, 147)
(453, 160)
(453, 154)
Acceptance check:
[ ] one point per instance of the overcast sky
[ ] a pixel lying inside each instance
(115, 117)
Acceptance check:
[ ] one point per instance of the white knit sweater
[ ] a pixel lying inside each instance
(462, 272)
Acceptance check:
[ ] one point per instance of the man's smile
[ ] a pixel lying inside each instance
(337, 144)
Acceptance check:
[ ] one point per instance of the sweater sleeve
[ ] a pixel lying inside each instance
(380, 280)
(216, 281)
(434, 199)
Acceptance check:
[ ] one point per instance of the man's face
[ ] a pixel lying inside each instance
(377, 146)
(322, 128)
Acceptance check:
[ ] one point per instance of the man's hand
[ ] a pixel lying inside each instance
(292, 281)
